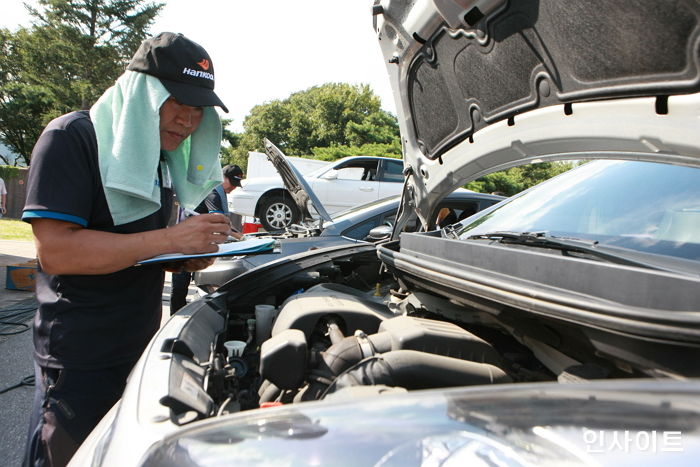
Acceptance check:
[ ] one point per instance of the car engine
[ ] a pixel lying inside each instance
(346, 327)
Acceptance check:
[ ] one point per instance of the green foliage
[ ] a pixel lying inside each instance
(379, 127)
(506, 182)
(512, 181)
(65, 61)
(229, 156)
(326, 116)
(231, 141)
(9, 173)
(392, 149)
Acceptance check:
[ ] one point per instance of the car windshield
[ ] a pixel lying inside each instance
(641, 206)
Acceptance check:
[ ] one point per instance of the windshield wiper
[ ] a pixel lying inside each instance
(564, 244)
(450, 231)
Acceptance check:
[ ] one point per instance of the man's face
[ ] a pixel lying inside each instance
(177, 122)
(228, 187)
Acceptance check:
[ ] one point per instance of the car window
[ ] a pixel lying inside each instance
(360, 231)
(357, 169)
(641, 206)
(392, 171)
(460, 209)
(452, 211)
(350, 173)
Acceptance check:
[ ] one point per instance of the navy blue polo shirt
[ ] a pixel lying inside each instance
(88, 321)
(215, 201)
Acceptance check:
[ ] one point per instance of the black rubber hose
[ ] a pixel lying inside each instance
(249, 343)
(335, 334)
(270, 393)
(338, 357)
(341, 356)
(419, 370)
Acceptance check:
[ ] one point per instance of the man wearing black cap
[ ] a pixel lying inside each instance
(99, 198)
(232, 177)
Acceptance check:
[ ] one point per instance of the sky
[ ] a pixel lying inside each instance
(264, 50)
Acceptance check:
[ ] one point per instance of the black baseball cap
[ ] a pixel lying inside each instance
(183, 66)
(234, 174)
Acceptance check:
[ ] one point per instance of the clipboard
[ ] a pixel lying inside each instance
(244, 247)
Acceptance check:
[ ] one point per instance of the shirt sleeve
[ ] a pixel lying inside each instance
(62, 177)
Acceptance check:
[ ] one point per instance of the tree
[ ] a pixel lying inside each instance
(331, 115)
(332, 153)
(22, 104)
(512, 181)
(231, 142)
(74, 51)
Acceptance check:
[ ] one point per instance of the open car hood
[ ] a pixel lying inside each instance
(294, 183)
(485, 85)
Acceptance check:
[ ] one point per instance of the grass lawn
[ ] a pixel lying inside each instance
(11, 229)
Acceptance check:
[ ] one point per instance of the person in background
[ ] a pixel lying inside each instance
(233, 176)
(446, 216)
(99, 199)
(3, 198)
(216, 201)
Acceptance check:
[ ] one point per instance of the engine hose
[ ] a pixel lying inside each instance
(250, 324)
(264, 385)
(334, 332)
(270, 393)
(341, 356)
(411, 369)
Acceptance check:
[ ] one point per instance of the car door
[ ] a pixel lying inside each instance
(348, 184)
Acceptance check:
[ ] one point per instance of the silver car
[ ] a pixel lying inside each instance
(559, 327)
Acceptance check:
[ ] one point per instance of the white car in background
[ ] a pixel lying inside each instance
(345, 183)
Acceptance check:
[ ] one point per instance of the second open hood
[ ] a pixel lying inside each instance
(295, 184)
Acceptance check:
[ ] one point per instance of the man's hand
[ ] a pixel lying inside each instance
(67, 248)
(197, 264)
(199, 234)
(190, 265)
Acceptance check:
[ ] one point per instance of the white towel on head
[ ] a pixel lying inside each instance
(127, 125)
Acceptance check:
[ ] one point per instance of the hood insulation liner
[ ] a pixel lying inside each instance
(539, 53)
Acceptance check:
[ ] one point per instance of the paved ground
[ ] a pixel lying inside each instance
(16, 354)
(16, 362)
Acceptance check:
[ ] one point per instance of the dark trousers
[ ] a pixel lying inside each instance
(67, 406)
(178, 290)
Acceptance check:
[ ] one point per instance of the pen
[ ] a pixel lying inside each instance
(190, 212)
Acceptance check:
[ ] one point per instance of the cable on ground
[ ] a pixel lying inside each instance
(26, 381)
(16, 317)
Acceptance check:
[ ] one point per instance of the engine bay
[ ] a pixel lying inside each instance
(344, 326)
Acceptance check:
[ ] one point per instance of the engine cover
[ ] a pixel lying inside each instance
(355, 311)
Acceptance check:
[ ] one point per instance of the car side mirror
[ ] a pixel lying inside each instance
(330, 175)
(381, 232)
